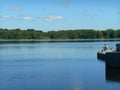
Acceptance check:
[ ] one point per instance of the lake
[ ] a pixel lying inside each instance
(56, 66)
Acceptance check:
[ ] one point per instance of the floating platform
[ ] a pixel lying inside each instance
(103, 54)
(111, 57)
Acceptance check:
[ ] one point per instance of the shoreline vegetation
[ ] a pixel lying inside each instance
(20, 41)
(61, 35)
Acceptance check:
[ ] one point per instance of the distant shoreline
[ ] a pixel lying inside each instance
(66, 35)
(3, 41)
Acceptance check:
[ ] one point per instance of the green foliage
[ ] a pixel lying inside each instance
(61, 34)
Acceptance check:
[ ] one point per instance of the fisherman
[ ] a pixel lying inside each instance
(105, 47)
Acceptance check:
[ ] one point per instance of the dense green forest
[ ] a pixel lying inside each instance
(61, 34)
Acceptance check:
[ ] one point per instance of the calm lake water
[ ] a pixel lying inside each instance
(56, 66)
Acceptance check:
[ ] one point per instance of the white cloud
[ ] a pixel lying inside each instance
(53, 18)
(27, 18)
(6, 17)
(16, 8)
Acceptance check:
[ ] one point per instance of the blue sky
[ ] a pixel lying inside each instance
(49, 15)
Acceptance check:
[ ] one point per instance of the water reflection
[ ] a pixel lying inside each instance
(113, 74)
(20, 41)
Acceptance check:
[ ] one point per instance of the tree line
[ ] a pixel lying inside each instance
(61, 34)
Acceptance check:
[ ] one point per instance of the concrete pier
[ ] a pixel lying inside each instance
(111, 57)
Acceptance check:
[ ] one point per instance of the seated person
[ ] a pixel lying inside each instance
(105, 47)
